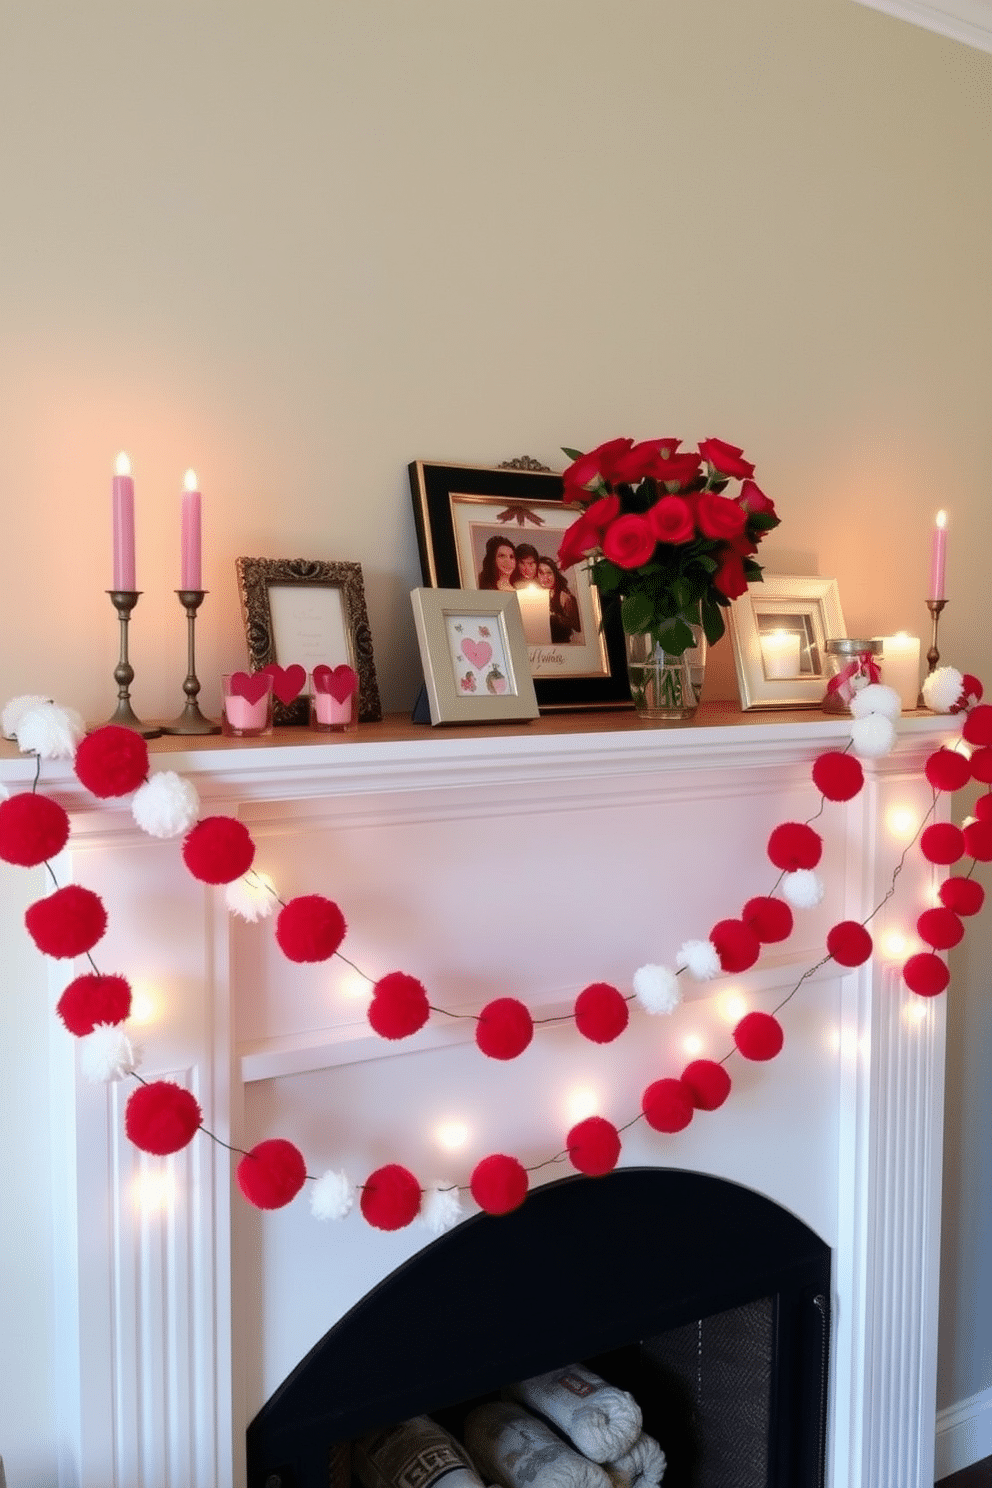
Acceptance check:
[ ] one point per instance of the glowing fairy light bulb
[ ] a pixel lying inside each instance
(581, 1102)
(452, 1135)
(693, 1044)
(894, 944)
(902, 822)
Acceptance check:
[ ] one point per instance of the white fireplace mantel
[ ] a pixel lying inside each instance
(525, 860)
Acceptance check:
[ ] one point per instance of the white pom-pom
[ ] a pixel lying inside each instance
(657, 989)
(441, 1208)
(252, 897)
(803, 889)
(700, 959)
(876, 698)
(331, 1196)
(49, 731)
(107, 1054)
(15, 710)
(942, 688)
(873, 736)
(166, 805)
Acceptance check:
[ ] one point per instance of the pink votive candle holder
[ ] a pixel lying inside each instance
(333, 700)
(247, 712)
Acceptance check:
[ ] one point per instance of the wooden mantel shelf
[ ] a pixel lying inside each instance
(292, 761)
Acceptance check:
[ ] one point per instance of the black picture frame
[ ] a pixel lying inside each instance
(437, 488)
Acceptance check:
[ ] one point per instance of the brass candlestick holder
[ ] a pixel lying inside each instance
(124, 601)
(933, 655)
(191, 720)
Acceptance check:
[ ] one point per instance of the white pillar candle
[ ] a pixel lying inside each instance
(901, 667)
(535, 611)
(780, 654)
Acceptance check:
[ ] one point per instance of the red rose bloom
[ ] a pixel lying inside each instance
(637, 462)
(718, 516)
(670, 519)
(752, 499)
(602, 512)
(597, 464)
(672, 469)
(726, 458)
(578, 540)
(628, 542)
(729, 577)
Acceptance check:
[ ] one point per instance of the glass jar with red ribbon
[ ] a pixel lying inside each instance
(851, 665)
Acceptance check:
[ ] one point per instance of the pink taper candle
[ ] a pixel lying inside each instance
(123, 515)
(938, 557)
(189, 569)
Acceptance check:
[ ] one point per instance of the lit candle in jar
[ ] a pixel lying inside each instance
(123, 522)
(780, 654)
(901, 667)
(189, 546)
(938, 556)
(535, 611)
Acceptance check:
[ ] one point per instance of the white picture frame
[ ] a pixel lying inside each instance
(806, 606)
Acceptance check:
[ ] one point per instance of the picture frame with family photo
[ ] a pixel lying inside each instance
(499, 529)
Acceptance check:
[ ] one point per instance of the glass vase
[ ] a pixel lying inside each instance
(665, 688)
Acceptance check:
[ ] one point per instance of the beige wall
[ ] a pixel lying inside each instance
(297, 246)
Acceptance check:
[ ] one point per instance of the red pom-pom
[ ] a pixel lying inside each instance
(32, 828)
(838, 776)
(271, 1174)
(707, 1083)
(218, 850)
(399, 1006)
(736, 945)
(978, 841)
(499, 1183)
(793, 846)
(942, 842)
(926, 974)
(504, 1029)
(390, 1198)
(593, 1146)
(112, 761)
(947, 770)
(162, 1117)
(978, 725)
(940, 928)
(67, 923)
(983, 807)
(759, 1036)
(971, 693)
(981, 766)
(964, 895)
(601, 1013)
(770, 919)
(667, 1105)
(309, 928)
(849, 943)
(93, 999)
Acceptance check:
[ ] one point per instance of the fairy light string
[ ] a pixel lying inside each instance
(162, 1117)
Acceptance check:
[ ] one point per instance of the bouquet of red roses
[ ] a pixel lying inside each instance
(664, 544)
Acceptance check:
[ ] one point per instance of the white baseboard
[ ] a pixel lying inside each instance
(964, 1434)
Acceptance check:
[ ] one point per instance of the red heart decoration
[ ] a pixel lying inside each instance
(340, 681)
(287, 682)
(251, 688)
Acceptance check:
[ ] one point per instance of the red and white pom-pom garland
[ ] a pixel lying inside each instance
(162, 1117)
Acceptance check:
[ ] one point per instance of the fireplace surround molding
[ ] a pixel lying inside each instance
(179, 1318)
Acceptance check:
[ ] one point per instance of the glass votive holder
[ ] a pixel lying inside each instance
(247, 710)
(851, 664)
(333, 702)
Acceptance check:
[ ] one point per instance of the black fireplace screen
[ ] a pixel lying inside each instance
(707, 1301)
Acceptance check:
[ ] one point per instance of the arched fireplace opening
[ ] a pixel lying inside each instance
(709, 1302)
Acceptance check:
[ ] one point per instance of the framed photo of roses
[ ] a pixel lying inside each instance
(499, 529)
